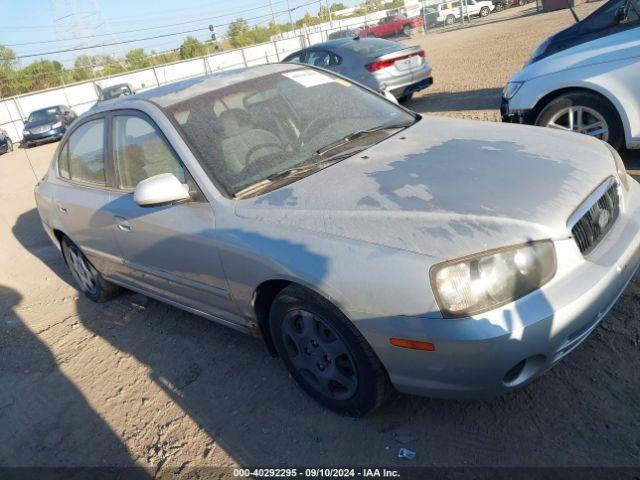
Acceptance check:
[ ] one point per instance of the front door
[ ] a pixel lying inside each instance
(169, 250)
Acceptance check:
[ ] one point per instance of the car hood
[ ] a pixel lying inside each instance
(40, 123)
(445, 188)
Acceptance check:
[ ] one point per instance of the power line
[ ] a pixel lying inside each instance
(201, 19)
(87, 47)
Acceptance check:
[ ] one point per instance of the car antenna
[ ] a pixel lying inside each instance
(573, 12)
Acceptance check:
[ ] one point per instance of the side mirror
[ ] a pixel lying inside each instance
(160, 190)
(620, 15)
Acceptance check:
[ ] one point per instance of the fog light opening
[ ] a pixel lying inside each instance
(524, 370)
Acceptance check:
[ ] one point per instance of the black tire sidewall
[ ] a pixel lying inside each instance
(484, 11)
(603, 107)
(448, 21)
(366, 397)
(406, 31)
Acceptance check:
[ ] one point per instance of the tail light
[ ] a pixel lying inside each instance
(380, 64)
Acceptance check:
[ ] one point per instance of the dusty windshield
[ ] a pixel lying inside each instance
(252, 131)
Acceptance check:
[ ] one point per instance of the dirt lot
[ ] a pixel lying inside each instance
(135, 382)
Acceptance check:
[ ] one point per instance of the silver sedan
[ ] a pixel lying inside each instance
(382, 65)
(372, 249)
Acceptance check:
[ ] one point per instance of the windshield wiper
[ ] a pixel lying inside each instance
(352, 136)
(297, 172)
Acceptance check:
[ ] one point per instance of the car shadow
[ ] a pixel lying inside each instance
(481, 99)
(46, 420)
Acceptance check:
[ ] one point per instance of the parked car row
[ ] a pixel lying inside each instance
(50, 124)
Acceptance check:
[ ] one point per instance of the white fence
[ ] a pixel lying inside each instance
(82, 96)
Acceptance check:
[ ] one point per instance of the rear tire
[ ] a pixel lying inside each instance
(406, 31)
(449, 20)
(595, 108)
(89, 280)
(9, 145)
(499, 7)
(326, 354)
(521, 3)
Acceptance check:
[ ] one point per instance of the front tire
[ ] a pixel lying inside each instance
(406, 31)
(449, 20)
(499, 7)
(585, 113)
(484, 11)
(405, 98)
(325, 353)
(89, 280)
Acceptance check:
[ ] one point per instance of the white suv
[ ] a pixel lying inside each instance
(585, 78)
(449, 12)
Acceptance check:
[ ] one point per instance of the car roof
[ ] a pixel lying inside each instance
(341, 42)
(173, 93)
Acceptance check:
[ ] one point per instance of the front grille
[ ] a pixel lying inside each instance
(597, 221)
(41, 129)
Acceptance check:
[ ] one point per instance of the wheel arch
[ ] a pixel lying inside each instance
(604, 95)
(265, 294)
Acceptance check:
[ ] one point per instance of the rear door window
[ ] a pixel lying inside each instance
(86, 153)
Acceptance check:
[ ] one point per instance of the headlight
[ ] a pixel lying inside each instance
(56, 125)
(620, 167)
(510, 89)
(487, 280)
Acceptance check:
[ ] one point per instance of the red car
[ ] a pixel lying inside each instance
(392, 26)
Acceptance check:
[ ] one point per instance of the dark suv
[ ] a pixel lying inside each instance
(47, 124)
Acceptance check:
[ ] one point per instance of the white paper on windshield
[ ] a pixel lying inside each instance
(308, 78)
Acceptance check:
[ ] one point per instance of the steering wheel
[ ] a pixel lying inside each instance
(313, 124)
(248, 158)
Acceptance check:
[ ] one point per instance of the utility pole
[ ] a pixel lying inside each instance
(330, 17)
(290, 19)
(273, 17)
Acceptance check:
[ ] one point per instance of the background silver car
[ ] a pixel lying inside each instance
(374, 62)
(370, 248)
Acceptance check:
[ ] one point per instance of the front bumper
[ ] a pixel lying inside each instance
(49, 135)
(501, 350)
(515, 116)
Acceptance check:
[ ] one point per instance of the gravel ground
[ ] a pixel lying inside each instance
(136, 382)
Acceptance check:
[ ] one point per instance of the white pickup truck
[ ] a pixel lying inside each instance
(449, 12)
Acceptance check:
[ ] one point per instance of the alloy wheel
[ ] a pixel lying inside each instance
(81, 271)
(319, 355)
(580, 119)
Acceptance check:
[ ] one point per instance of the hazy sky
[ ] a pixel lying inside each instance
(35, 22)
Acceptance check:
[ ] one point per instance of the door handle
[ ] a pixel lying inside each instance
(61, 209)
(123, 224)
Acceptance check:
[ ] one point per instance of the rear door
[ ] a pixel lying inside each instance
(169, 250)
(82, 198)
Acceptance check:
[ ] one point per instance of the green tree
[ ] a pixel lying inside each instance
(8, 61)
(192, 47)
(337, 6)
(136, 59)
